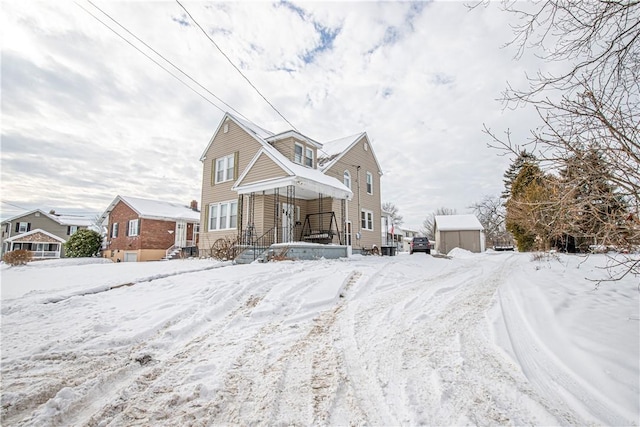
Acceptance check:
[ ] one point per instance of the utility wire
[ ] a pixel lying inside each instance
(234, 66)
(161, 56)
(150, 58)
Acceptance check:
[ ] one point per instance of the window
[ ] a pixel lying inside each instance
(347, 179)
(369, 183)
(303, 155)
(71, 229)
(297, 153)
(225, 168)
(114, 230)
(23, 227)
(223, 216)
(134, 226)
(308, 157)
(366, 219)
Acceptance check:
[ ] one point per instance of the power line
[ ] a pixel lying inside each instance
(150, 58)
(234, 66)
(161, 56)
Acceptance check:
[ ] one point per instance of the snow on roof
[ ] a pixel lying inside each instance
(159, 209)
(457, 222)
(62, 219)
(333, 149)
(19, 237)
(252, 127)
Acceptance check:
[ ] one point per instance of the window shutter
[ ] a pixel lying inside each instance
(17, 227)
(28, 226)
(206, 218)
(126, 228)
(139, 222)
(68, 230)
(236, 155)
(213, 172)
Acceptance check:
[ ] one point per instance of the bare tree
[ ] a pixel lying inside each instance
(490, 211)
(429, 222)
(393, 212)
(592, 107)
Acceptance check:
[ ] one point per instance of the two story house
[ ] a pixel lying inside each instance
(42, 233)
(287, 187)
(149, 230)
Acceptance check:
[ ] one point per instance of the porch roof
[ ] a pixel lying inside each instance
(308, 182)
(18, 237)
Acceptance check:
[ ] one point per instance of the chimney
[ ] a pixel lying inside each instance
(194, 205)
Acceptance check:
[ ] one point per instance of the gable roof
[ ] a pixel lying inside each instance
(303, 177)
(29, 233)
(334, 150)
(457, 222)
(155, 209)
(62, 219)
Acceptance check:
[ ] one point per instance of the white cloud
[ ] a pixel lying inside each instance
(86, 117)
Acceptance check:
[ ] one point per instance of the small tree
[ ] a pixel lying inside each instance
(83, 243)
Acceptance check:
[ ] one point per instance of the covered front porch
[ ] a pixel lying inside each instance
(40, 243)
(290, 210)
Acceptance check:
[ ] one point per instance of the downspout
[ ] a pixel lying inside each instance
(359, 209)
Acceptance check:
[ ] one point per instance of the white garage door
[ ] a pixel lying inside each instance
(130, 257)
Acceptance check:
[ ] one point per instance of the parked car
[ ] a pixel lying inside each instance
(420, 244)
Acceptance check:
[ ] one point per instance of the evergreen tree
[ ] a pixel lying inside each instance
(83, 243)
(512, 172)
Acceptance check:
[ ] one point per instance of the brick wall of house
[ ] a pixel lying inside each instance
(122, 214)
(156, 234)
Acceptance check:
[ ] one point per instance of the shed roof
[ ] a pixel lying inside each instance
(457, 222)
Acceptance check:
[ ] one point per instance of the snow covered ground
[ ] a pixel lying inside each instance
(493, 338)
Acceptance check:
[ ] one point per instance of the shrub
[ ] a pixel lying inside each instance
(18, 257)
(83, 243)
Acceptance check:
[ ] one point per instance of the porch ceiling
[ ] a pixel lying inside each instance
(305, 188)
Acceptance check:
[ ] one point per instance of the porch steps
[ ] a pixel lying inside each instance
(250, 254)
(175, 253)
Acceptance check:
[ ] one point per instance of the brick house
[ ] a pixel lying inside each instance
(286, 187)
(42, 233)
(149, 230)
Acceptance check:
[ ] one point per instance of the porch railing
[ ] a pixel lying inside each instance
(45, 254)
(257, 244)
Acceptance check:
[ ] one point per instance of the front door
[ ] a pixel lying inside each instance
(181, 234)
(287, 222)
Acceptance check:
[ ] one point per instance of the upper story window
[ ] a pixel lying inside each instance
(114, 229)
(369, 183)
(23, 227)
(225, 168)
(347, 179)
(303, 155)
(71, 229)
(134, 227)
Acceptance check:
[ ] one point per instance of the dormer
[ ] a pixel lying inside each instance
(297, 148)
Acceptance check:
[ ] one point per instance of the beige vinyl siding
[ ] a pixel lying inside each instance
(224, 144)
(264, 168)
(371, 202)
(287, 148)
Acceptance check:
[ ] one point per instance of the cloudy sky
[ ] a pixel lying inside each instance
(86, 116)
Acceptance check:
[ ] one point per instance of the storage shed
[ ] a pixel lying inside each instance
(458, 231)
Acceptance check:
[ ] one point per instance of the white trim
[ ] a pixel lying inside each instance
(133, 228)
(293, 134)
(368, 221)
(225, 160)
(227, 217)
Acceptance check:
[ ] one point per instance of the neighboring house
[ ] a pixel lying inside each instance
(279, 188)
(42, 233)
(149, 230)
(458, 231)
